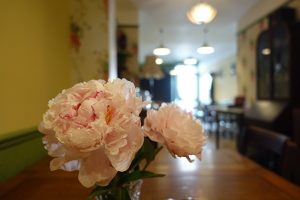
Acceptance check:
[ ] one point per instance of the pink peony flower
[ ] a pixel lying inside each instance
(175, 129)
(94, 127)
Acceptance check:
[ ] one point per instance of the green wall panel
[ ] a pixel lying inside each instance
(18, 151)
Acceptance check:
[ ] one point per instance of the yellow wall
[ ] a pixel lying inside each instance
(226, 81)
(34, 59)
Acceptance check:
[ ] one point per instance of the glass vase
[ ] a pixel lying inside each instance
(134, 190)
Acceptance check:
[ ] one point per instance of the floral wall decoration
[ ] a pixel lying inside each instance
(128, 67)
(88, 39)
(75, 35)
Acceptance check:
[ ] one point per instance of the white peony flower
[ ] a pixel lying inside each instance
(175, 129)
(94, 127)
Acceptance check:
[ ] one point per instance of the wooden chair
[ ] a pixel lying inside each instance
(291, 163)
(296, 124)
(266, 147)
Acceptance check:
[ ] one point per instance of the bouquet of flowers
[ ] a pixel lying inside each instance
(94, 127)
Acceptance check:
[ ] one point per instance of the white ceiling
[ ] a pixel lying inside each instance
(183, 37)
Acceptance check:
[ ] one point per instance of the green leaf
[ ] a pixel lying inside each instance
(140, 155)
(149, 161)
(136, 175)
(123, 194)
(149, 149)
(148, 152)
(98, 190)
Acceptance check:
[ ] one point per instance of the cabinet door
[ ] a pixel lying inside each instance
(281, 62)
(264, 86)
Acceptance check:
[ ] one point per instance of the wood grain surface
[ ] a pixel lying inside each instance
(222, 174)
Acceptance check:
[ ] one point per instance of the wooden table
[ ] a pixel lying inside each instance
(237, 112)
(222, 174)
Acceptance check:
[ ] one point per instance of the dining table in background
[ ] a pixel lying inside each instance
(237, 113)
(220, 175)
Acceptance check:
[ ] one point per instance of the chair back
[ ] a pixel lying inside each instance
(291, 163)
(266, 147)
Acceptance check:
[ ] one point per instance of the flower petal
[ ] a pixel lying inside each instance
(96, 169)
(134, 140)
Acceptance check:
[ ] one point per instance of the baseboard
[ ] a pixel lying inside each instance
(18, 151)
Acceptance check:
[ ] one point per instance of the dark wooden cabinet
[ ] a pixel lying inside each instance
(264, 85)
(278, 63)
(281, 61)
(278, 74)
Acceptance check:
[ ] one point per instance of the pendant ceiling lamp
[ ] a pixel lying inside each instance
(190, 61)
(201, 13)
(161, 50)
(205, 48)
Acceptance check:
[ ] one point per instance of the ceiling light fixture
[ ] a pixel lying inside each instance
(190, 61)
(159, 61)
(205, 48)
(201, 13)
(161, 50)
